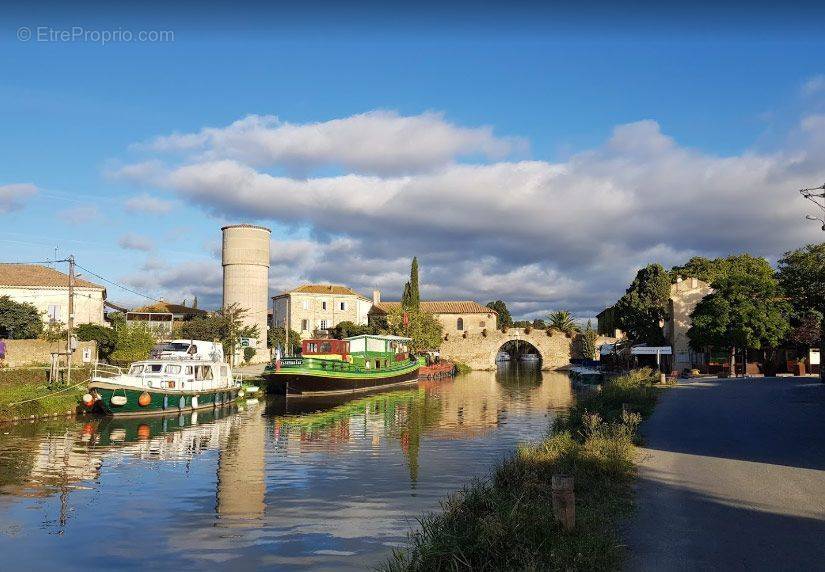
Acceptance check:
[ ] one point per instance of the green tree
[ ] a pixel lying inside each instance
(105, 337)
(589, 342)
(500, 308)
(744, 311)
(347, 329)
(133, 342)
(54, 331)
(563, 321)
(539, 324)
(248, 354)
(424, 329)
(277, 338)
(226, 326)
(802, 276)
(713, 270)
(644, 304)
(208, 328)
(411, 298)
(19, 320)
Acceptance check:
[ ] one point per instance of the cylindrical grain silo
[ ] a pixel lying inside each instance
(246, 277)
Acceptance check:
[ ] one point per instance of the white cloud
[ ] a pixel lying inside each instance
(541, 235)
(80, 215)
(814, 85)
(136, 242)
(381, 142)
(146, 203)
(13, 197)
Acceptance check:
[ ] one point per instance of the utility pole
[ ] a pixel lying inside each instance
(70, 322)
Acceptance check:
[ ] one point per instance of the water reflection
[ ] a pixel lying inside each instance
(324, 484)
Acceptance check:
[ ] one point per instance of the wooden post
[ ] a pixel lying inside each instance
(564, 501)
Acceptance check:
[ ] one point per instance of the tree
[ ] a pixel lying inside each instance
(644, 304)
(133, 342)
(563, 321)
(802, 276)
(539, 324)
(424, 329)
(744, 311)
(105, 337)
(347, 329)
(411, 298)
(277, 338)
(19, 320)
(712, 270)
(589, 342)
(500, 308)
(226, 326)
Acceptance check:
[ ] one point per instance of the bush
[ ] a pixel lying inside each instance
(19, 321)
(133, 343)
(248, 354)
(105, 337)
(462, 368)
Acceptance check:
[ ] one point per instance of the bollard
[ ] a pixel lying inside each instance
(564, 501)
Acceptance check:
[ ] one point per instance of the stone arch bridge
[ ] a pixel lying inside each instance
(479, 351)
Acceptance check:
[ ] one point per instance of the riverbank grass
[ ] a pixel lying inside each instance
(30, 385)
(506, 522)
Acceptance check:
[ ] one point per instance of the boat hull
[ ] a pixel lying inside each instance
(309, 383)
(161, 401)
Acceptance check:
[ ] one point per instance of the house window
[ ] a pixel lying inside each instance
(54, 313)
(305, 304)
(322, 324)
(304, 325)
(343, 306)
(482, 324)
(459, 325)
(324, 305)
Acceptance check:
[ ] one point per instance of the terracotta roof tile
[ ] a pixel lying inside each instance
(170, 308)
(441, 307)
(322, 289)
(34, 275)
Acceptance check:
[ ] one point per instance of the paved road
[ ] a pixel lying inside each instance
(733, 478)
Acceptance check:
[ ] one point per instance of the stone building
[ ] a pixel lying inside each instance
(684, 295)
(456, 317)
(314, 307)
(47, 290)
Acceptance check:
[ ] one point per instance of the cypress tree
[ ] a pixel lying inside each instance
(415, 297)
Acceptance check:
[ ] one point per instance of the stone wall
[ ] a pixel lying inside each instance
(36, 352)
(479, 351)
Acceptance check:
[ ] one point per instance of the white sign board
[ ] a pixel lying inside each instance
(87, 355)
(815, 357)
(651, 351)
(248, 342)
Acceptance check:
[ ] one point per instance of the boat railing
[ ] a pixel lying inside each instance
(106, 370)
(342, 366)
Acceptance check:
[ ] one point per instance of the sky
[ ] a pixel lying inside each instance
(534, 153)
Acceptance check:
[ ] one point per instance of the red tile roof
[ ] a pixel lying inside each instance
(322, 289)
(34, 275)
(440, 307)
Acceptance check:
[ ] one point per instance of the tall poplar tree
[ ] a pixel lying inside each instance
(411, 298)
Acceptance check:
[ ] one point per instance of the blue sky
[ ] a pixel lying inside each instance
(552, 87)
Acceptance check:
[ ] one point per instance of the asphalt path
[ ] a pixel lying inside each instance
(732, 477)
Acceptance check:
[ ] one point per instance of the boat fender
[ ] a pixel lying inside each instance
(144, 399)
(88, 399)
(182, 403)
(241, 393)
(194, 402)
(119, 400)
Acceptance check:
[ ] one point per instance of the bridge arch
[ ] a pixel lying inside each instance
(518, 347)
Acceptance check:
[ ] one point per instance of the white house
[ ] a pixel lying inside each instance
(47, 290)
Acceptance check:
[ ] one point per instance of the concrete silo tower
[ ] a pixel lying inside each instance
(246, 276)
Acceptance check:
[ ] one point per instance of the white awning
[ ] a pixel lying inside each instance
(651, 350)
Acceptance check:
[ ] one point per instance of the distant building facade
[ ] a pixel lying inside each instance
(685, 294)
(47, 290)
(456, 317)
(313, 307)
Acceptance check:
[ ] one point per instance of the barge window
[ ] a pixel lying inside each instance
(326, 348)
(154, 368)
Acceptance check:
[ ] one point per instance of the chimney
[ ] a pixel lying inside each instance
(678, 279)
(376, 297)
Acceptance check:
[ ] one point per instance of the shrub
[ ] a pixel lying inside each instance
(19, 321)
(105, 337)
(133, 342)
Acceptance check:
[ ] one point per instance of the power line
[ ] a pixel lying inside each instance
(117, 284)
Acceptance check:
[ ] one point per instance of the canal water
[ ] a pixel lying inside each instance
(283, 485)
